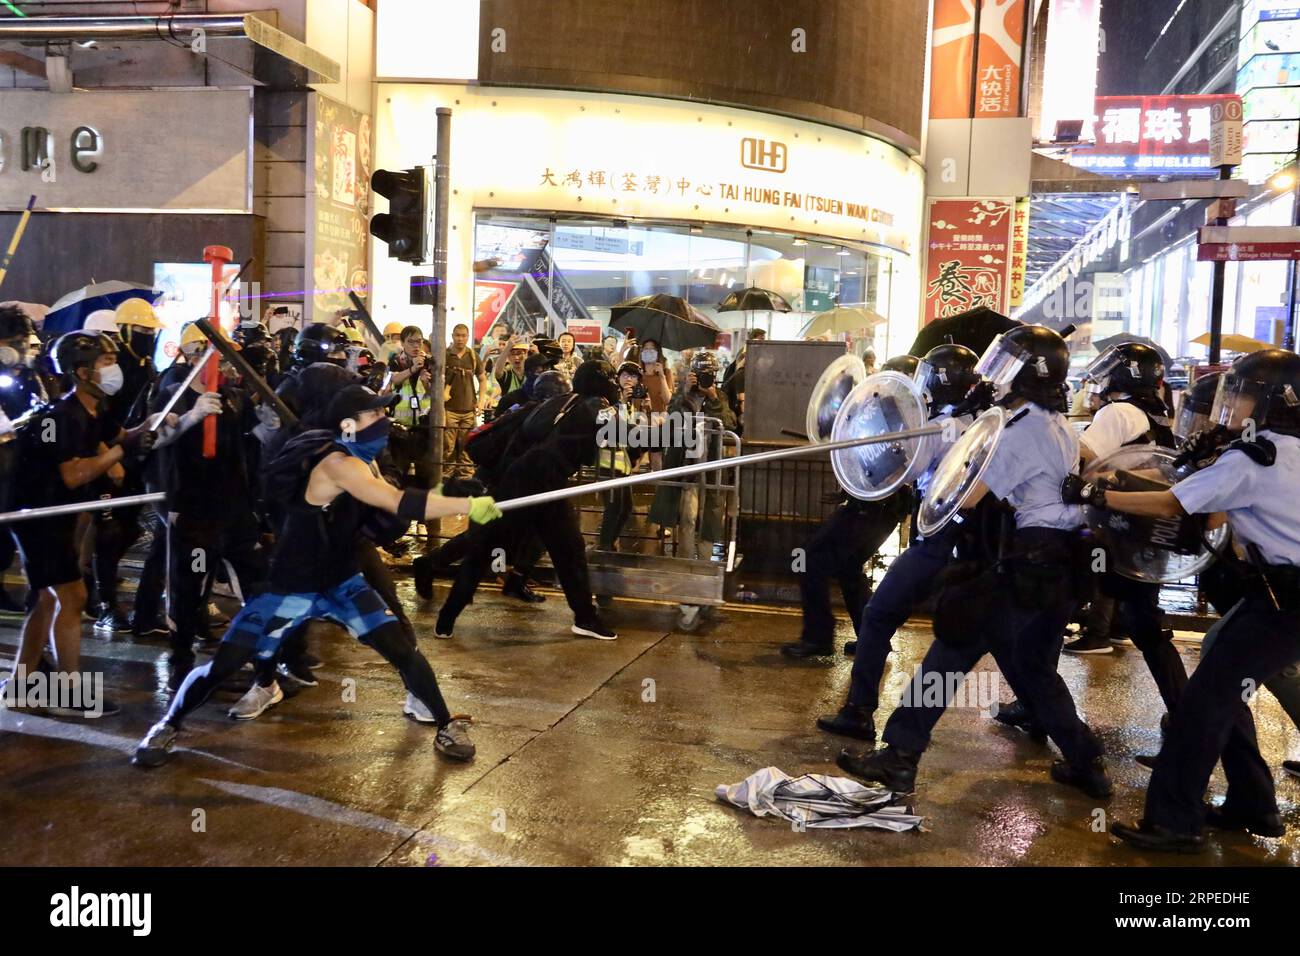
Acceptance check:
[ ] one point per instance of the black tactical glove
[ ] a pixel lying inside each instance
(138, 442)
(979, 399)
(1201, 449)
(1077, 491)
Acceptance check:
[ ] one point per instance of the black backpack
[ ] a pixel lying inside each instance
(488, 445)
(286, 472)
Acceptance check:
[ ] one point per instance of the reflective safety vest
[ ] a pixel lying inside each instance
(414, 403)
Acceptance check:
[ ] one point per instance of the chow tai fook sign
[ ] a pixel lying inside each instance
(968, 256)
(1248, 243)
(1151, 134)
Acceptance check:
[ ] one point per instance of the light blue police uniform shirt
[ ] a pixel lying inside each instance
(938, 446)
(1262, 501)
(1037, 450)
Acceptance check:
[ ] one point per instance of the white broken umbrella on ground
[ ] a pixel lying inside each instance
(816, 801)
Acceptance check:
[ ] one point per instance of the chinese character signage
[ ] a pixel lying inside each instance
(997, 74)
(1019, 251)
(984, 75)
(968, 256)
(339, 199)
(1150, 134)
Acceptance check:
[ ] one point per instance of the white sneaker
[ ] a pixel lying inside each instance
(415, 709)
(253, 704)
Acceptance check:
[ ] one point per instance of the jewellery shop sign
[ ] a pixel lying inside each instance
(184, 150)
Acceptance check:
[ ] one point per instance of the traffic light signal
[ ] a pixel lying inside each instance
(403, 226)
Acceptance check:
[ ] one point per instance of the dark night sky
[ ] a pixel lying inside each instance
(1130, 27)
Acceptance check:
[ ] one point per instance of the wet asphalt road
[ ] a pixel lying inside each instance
(589, 752)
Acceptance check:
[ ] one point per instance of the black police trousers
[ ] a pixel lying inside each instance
(1252, 645)
(1025, 642)
(837, 550)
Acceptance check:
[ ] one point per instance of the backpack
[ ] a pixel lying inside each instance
(488, 445)
(285, 474)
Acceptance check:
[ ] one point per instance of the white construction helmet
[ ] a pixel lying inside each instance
(101, 320)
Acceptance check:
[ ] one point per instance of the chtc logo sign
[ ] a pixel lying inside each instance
(763, 154)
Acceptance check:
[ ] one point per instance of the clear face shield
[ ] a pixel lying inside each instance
(1238, 401)
(1190, 420)
(1001, 363)
(1099, 370)
(921, 377)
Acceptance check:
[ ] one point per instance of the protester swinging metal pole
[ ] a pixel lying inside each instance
(683, 471)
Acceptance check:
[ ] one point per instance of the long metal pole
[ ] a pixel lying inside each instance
(103, 504)
(185, 385)
(701, 467)
(1217, 283)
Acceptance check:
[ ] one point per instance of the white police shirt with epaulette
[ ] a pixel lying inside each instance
(1114, 426)
(1262, 501)
(1037, 450)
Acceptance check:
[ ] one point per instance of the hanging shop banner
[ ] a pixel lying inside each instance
(1001, 46)
(491, 296)
(1019, 251)
(968, 256)
(951, 57)
(338, 198)
(1152, 134)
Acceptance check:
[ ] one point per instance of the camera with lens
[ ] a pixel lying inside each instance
(639, 392)
(704, 379)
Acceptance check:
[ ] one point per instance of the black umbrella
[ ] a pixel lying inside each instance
(974, 329)
(668, 319)
(754, 299)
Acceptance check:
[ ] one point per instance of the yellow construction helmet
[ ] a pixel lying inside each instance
(393, 328)
(190, 335)
(352, 334)
(137, 312)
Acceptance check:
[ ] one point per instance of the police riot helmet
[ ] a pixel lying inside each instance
(1030, 362)
(253, 334)
(550, 384)
(1194, 409)
(263, 358)
(951, 373)
(905, 364)
(318, 342)
(1262, 387)
(1130, 368)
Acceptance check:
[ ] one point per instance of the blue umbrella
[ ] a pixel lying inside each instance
(69, 313)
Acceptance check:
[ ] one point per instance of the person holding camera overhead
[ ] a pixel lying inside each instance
(412, 383)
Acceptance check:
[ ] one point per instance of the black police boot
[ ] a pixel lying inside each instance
(801, 649)
(1265, 825)
(516, 586)
(849, 722)
(1016, 714)
(850, 648)
(1152, 836)
(894, 768)
(422, 569)
(1091, 778)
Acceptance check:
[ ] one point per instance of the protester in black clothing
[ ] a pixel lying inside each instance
(322, 479)
(21, 391)
(554, 441)
(68, 450)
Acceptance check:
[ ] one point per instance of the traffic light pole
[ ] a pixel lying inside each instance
(438, 334)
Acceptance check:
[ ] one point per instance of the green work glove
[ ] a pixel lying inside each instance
(482, 510)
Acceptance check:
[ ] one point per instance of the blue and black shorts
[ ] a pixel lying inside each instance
(265, 620)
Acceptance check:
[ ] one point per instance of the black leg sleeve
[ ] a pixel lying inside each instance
(202, 681)
(395, 647)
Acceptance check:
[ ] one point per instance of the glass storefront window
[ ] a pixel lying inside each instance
(540, 275)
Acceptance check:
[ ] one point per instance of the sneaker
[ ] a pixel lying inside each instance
(1090, 778)
(112, 622)
(155, 749)
(104, 708)
(255, 703)
(443, 628)
(298, 672)
(1292, 767)
(453, 740)
(594, 627)
(1088, 644)
(148, 630)
(415, 709)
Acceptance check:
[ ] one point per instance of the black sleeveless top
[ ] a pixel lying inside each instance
(316, 547)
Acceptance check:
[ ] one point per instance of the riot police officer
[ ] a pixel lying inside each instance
(839, 548)
(1254, 483)
(1029, 595)
(950, 376)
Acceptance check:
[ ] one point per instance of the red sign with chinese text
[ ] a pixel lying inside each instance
(968, 256)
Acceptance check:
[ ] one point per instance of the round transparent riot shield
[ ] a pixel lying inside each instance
(828, 395)
(881, 404)
(958, 470)
(1155, 550)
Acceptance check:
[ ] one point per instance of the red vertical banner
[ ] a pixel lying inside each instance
(1000, 55)
(1019, 252)
(968, 256)
(952, 54)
